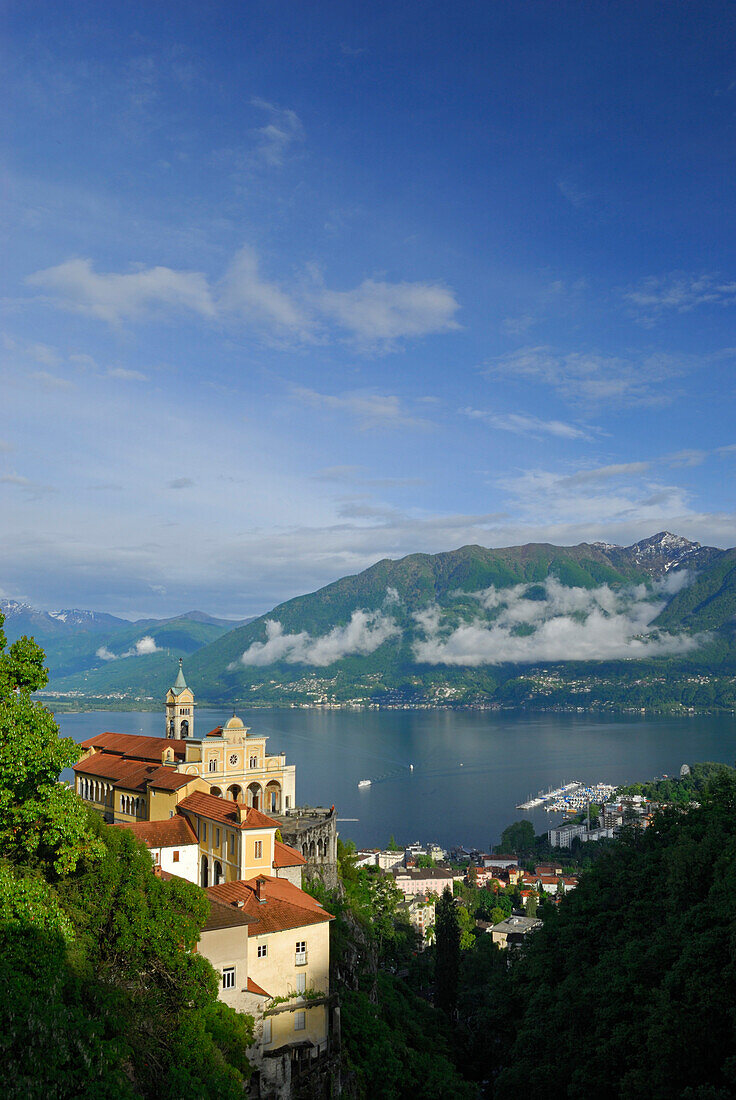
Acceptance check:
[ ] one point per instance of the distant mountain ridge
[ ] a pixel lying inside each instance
(593, 625)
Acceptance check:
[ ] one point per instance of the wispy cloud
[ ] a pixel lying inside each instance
(371, 410)
(570, 624)
(281, 133)
(115, 298)
(380, 312)
(374, 315)
(181, 483)
(522, 424)
(366, 631)
(678, 292)
(592, 379)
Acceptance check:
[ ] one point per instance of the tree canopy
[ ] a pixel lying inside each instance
(103, 994)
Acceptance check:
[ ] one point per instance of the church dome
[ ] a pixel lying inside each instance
(234, 723)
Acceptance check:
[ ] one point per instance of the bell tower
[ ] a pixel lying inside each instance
(180, 708)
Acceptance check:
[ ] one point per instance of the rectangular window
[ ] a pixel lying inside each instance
(300, 1021)
(259, 849)
(217, 838)
(301, 983)
(300, 954)
(228, 977)
(231, 844)
(175, 857)
(213, 765)
(288, 802)
(262, 950)
(267, 1031)
(203, 831)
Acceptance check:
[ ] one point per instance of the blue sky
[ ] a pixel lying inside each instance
(289, 288)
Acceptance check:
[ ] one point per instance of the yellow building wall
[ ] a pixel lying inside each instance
(277, 973)
(229, 947)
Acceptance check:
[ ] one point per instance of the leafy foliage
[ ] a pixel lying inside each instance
(103, 994)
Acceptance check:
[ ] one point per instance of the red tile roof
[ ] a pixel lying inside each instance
(167, 779)
(226, 811)
(254, 988)
(162, 834)
(132, 775)
(286, 906)
(134, 745)
(285, 856)
(216, 732)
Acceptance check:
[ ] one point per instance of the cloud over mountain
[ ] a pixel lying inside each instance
(551, 622)
(366, 631)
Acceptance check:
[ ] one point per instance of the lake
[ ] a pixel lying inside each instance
(471, 768)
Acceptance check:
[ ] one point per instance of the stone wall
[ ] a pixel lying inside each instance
(312, 830)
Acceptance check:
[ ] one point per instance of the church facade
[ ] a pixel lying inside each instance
(117, 774)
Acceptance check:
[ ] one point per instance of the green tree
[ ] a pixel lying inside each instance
(517, 838)
(497, 915)
(531, 904)
(447, 938)
(392, 845)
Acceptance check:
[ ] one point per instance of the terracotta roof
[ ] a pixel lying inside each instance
(284, 856)
(226, 811)
(216, 732)
(162, 834)
(134, 745)
(286, 906)
(166, 779)
(254, 988)
(225, 916)
(107, 767)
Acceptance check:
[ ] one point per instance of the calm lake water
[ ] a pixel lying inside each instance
(470, 768)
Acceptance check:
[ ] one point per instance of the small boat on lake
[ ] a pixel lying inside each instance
(364, 783)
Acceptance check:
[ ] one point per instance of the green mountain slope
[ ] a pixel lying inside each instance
(588, 626)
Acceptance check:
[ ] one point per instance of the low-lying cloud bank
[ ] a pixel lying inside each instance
(366, 631)
(557, 624)
(141, 648)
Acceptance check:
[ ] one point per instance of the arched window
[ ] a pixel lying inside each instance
(216, 873)
(235, 793)
(254, 796)
(213, 764)
(184, 728)
(204, 874)
(171, 728)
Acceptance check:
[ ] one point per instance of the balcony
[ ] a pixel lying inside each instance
(300, 958)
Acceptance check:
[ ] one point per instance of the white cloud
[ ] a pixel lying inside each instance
(142, 648)
(276, 139)
(366, 631)
(246, 292)
(373, 315)
(588, 378)
(680, 292)
(523, 424)
(380, 312)
(372, 410)
(114, 298)
(569, 624)
(126, 375)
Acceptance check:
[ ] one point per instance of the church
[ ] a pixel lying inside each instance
(201, 806)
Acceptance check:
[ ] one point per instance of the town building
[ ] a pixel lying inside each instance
(424, 880)
(420, 910)
(511, 932)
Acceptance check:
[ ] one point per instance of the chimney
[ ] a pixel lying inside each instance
(242, 813)
(260, 892)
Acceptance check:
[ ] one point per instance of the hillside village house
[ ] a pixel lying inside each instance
(195, 804)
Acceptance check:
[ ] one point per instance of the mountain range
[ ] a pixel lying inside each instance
(593, 626)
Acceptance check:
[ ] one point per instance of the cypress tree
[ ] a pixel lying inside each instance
(447, 935)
